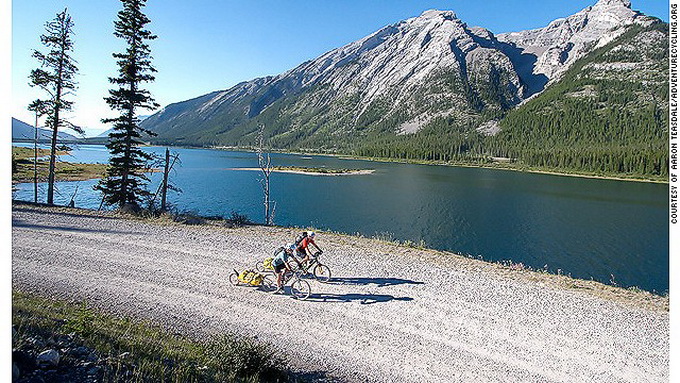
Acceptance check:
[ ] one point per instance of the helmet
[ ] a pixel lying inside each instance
(291, 246)
(311, 234)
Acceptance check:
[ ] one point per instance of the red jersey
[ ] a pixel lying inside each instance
(305, 243)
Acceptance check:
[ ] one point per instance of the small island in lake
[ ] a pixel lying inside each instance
(314, 171)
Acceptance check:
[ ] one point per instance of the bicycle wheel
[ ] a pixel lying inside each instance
(322, 273)
(259, 266)
(268, 283)
(300, 289)
(233, 279)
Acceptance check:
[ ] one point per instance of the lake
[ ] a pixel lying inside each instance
(606, 230)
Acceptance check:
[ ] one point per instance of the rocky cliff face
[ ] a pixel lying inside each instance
(405, 74)
(557, 46)
(397, 80)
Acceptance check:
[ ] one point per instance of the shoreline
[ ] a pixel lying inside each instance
(434, 163)
(424, 162)
(507, 168)
(312, 173)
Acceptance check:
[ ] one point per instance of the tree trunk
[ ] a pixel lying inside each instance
(164, 192)
(53, 158)
(35, 161)
(55, 129)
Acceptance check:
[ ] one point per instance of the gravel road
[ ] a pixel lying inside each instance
(390, 314)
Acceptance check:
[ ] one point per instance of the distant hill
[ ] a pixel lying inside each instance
(105, 134)
(24, 131)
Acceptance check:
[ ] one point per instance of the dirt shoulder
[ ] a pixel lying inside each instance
(390, 313)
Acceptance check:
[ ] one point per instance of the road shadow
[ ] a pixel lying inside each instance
(380, 282)
(20, 223)
(364, 299)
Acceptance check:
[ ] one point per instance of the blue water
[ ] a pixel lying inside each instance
(588, 228)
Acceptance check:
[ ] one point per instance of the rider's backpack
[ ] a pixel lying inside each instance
(300, 237)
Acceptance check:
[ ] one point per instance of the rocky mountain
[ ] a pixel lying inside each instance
(396, 80)
(24, 131)
(556, 47)
(608, 113)
(430, 85)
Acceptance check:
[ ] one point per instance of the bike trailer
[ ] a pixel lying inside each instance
(250, 277)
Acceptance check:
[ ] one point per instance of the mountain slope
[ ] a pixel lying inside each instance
(429, 87)
(24, 131)
(394, 81)
(607, 114)
(557, 46)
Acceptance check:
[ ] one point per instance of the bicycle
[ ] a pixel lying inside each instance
(299, 288)
(321, 272)
(252, 278)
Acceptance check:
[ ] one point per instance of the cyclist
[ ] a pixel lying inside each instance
(281, 264)
(303, 250)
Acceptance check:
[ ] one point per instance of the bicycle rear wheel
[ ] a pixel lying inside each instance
(259, 266)
(322, 273)
(233, 279)
(268, 283)
(300, 289)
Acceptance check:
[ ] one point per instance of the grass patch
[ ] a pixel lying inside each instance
(22, 167)
(137, 351)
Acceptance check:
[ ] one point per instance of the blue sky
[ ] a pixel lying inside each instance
(207, 45)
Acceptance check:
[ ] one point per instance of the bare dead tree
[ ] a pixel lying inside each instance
(168, 164)
(265, 162)
(166, 173)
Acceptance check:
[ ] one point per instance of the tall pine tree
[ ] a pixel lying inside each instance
(56, 77)
(125, 180)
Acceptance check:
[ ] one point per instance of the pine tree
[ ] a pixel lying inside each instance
(125, 180)
(56, 77)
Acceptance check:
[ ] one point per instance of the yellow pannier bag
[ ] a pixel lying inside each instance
(268, 263)
(257, 279)
(245, 276)
(250, 277)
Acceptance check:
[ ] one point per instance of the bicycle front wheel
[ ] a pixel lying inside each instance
(300, 289)
(322, 273)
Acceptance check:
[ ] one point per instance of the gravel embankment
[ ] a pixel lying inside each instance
(391, 314)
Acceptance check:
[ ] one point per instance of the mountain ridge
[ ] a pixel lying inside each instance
(427, 75)
(24, 131)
